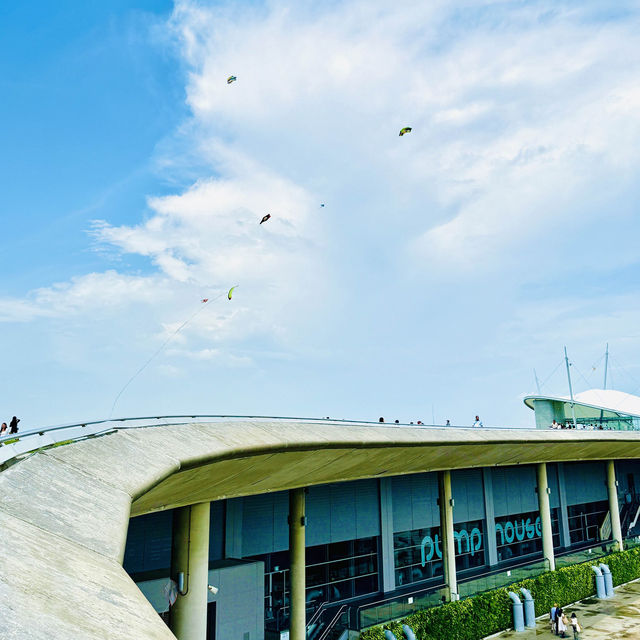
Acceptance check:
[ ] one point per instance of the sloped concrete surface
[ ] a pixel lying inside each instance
(64, 512)
(51, 588)
(54, 496)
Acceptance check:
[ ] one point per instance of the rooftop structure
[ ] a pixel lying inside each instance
(594, 409)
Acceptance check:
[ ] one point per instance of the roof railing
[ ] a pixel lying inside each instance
(16, 445)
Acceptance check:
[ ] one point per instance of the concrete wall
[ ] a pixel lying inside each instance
(239, 601)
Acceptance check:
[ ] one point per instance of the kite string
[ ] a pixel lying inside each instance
(162, 346)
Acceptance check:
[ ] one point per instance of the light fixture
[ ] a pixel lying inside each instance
(181, 590)
(213, 589)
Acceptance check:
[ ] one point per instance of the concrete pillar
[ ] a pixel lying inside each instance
(612, 486)
(545, 515)
(490, 537)
(190, 556)
(297, 523)
(565, 537)
(446, 531)
(387, 556)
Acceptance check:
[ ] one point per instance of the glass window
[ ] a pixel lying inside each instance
(334, 572)
(418, 553)
(518, 535)
(469, 545)
(585, 521)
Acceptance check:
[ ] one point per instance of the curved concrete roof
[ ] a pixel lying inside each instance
(602, 399)
(64, 512)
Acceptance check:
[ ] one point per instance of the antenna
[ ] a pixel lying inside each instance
(535, 375)
(573, 412)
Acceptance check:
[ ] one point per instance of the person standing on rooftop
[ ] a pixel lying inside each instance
(478, 422)
(13, 425)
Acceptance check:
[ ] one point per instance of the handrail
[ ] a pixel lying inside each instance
(332, 623)
(403, 595)
(92, 427)
(461, 580)
(316, 614)
(86, 423)
(14, 445)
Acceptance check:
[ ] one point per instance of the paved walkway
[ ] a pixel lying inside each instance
(618, 617)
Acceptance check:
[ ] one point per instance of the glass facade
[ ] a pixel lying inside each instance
(418, 553)
(336, 571)
(520, 535)
(469, 543)
(585, 521)
(350, 570)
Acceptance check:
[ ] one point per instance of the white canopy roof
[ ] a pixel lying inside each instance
(606, 399)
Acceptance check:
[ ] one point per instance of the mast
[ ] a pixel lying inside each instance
(573, 412)
(606, 366)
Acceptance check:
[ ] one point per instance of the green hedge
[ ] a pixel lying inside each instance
(490, 612)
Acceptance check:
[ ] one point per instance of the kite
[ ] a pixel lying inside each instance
(231, 79)
(231, 292)
(265, 218)
(322, 205)
(204, 300)
(405, 130)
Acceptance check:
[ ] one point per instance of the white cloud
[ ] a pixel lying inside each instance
(526, 138)
(86, 295)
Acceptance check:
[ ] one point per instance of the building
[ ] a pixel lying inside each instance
(594, 409)
(260, 528)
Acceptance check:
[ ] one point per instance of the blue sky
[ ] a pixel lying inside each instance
(444, 266)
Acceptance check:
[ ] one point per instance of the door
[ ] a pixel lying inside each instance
(211, 621)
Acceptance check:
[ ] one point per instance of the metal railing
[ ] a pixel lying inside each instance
(496, 579)
(584, 554)
(395, 607)
(332, 623)
(16, 445)
(400, 605)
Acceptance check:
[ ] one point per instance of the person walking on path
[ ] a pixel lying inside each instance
(552, 617)
(575, 625)
(13, 425)
(561, 623)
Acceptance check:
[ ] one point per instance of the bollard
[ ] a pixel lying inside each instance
(408, 632)
(389, 635)
(518, 614)
(608, 580)
(529, 609)
(600, 588)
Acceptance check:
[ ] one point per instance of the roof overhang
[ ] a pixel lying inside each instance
(622, 404)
